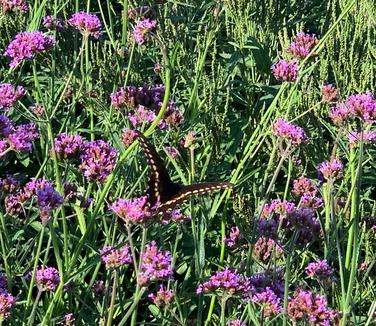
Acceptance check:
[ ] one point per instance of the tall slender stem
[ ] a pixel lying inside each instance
(113, 297)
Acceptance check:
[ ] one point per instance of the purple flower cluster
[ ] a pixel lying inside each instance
(22, 137)
(265, 248)
(17, 138)
(226, 282)
(235, 322)
(87, 24)
(289, 132)
(133, 210)
(142, 29)
(98, 159)
(150, 96)
(304, 223)
(361, 105)
(27, 44)
(114, 258)
(7, 302)
(68, 146)
(178, 217)
(233, 239)
(6, 126)
(14, 5)
(329, 93)
(368, 136)
(9, 95)
(128, 137)
(146, 101)
(285, 70)
(270, 303)
(48, 199)
(302, 45)
(8, 184)
(312, 308)
(308, 192)
(155, 265)
(69, 320)
(331, 170)
(52, 23)
(162, 298)
(278, 206)
(321, 271)
(47, 278)
(273, 280)
(171, 151)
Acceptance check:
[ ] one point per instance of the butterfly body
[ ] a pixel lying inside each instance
(163, 194)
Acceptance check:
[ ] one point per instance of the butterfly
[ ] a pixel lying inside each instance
(163, 194)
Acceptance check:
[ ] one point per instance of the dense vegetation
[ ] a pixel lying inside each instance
(273, 96)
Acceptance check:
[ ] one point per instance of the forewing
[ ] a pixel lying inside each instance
(159, 183)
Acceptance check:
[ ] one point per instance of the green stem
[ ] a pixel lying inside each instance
(223, 311)
(5, 252)
(113, 297)
(138, 287)
(33, 312)
(36, 260)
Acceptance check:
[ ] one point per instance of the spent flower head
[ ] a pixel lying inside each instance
(128, 137)
(329, 93)
(265, 248)
(233, 238)
(26, 45)
(52, 23)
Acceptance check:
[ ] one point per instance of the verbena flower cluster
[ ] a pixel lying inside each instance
(47, 199)
(7, 300)
(163, 297)
(308, 192)
(98, 159)
(232, 240)
(114, 258)
(145, 102)
(321, 271)
(14, 5)
(226, 283)
(68, 146)
(16, 138)
(362, 106)
(269, 302)
(87, 24)
(311, 307)
(9, 95)
(289, 132)
(54, 23)
(47, 278)
(155, 265)
(302, 45)
(285, 70)
(142, 29)
(26, 45)
(266, 248)
(331, 170)
(132, 211)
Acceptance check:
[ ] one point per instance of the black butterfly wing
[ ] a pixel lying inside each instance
(185, 192)
(160, 186)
